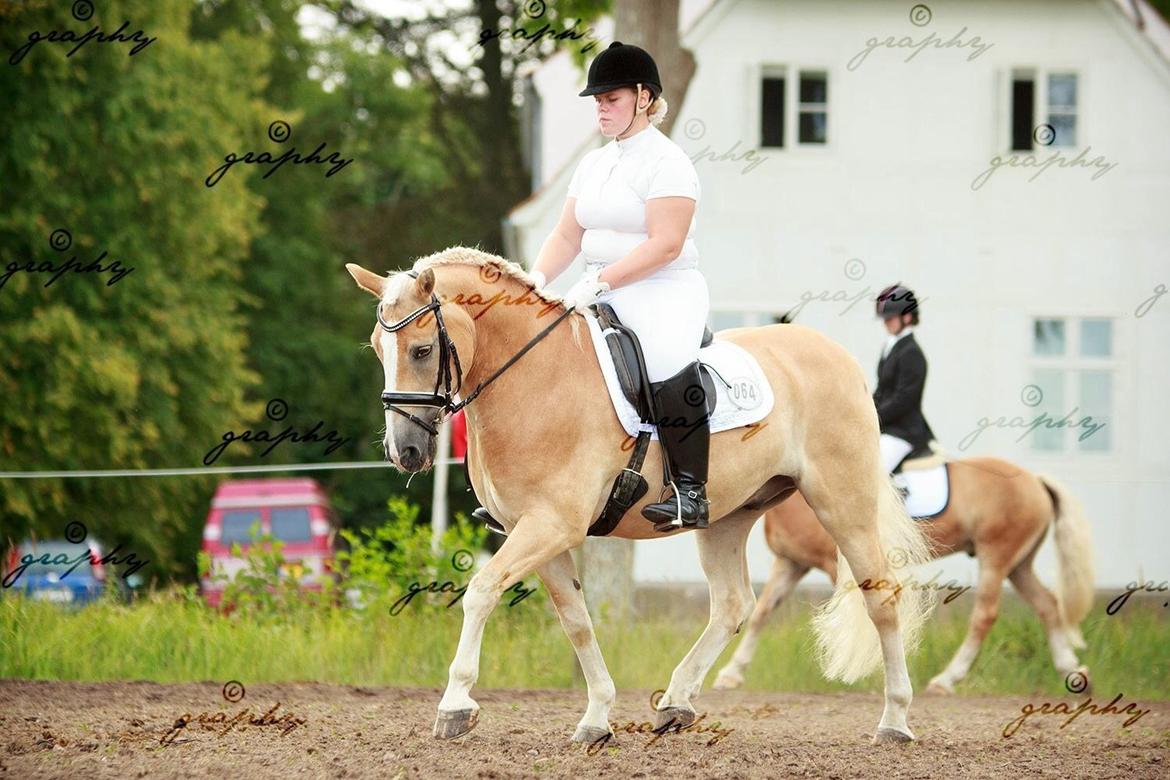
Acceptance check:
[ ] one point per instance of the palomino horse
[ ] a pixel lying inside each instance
(997, 512)
(545, 447)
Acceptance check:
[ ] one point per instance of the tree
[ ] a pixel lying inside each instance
(114, 149)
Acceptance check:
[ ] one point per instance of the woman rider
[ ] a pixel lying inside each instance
(631, 211)
(901, 379)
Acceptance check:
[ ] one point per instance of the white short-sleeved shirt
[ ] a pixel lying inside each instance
(612, 185)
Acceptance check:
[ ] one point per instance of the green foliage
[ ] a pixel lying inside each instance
(114, 149)
(383, 563)
(262, 589)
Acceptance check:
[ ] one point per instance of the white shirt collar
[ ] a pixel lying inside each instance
(638, 140)
(895, 339)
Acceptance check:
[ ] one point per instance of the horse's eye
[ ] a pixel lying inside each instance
(420, 353)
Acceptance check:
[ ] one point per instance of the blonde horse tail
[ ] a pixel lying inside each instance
(848, 645)
(1074, 552)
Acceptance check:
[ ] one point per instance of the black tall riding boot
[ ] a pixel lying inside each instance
(684, 432)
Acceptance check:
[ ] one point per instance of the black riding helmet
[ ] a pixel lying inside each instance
(896, 300)
(622, 65)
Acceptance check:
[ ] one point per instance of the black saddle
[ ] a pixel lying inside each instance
(631, 365)
(630, 485)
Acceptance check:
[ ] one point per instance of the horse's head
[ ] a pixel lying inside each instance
(419, 360)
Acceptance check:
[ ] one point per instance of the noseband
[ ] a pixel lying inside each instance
(445, 400)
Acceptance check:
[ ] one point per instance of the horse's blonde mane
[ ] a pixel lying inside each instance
(463, 255)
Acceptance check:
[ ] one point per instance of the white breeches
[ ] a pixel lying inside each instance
(893, 450)
(668, 311)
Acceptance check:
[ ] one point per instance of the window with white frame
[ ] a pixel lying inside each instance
(1041, 98)
(1073, 369)
(784, 114)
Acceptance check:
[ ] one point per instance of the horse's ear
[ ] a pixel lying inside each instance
(367, 280)
(425, 283)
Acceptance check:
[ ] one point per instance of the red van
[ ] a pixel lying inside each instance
(295, 511)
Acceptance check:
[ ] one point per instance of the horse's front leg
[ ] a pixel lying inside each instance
(534, 541)
(560, 578)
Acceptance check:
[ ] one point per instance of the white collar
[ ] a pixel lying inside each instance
(636, 141)
(906, 331)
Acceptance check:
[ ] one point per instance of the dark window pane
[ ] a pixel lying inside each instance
(772, 112)
(236, 525)
(291, 525)
(812, 127)
(814, 88)
(1023, 92)
(1048, 337)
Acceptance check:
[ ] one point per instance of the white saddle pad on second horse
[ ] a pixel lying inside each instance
(749, 398)
(929, 490)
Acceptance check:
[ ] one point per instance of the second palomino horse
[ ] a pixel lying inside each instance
(997, 512)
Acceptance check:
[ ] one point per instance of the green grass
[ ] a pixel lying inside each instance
(168, 638)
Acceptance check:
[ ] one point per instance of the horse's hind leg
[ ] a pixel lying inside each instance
(724, 558)
(1064, 658)
(785, 574)
(987, 596)
(560, 578)
(536, 540)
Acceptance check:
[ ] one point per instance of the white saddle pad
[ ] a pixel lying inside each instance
(929, 491)
(748, 399)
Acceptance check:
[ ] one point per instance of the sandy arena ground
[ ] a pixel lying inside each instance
(63, 729)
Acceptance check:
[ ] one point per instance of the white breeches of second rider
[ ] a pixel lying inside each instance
(668, 311)
(893, 450)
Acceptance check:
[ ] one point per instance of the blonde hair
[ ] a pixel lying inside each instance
(657, 109)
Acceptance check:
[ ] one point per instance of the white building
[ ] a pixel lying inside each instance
(861, 163)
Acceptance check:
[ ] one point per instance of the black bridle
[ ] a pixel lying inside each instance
(444, 401)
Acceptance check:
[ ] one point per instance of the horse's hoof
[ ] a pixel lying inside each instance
(727, 681)
(939, 689)
(1079, 682)
(675, 716)
(592, 734)
(889, 736)
(450, 725)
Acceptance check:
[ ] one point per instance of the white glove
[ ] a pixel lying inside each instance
(538, 278)
(586, 291)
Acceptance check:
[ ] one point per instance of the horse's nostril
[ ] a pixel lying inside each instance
(411, 455)
(386, 449)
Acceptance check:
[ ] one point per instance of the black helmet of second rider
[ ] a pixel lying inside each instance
(896, 300)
